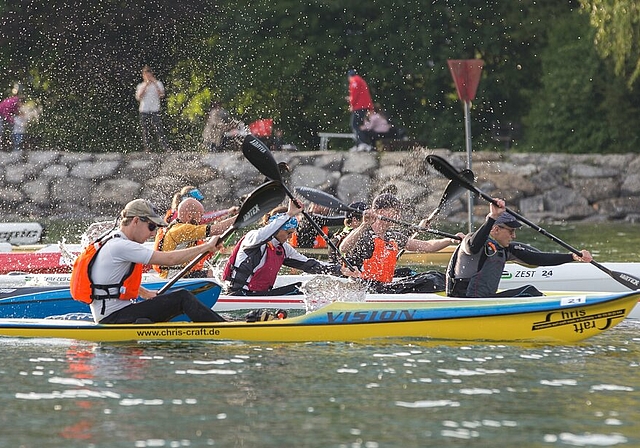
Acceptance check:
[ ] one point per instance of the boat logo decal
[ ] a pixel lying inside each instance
(628, 278)
(350, 317)
(179, 332)
(580, 319)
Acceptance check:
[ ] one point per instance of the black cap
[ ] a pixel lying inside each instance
(358, 205)
(386, 200)
(507, 219)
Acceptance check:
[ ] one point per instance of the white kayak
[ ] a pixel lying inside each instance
(566, 277)
(20, 232)
(576, 277)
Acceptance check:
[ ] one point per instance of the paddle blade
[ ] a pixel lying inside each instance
(455, 189)
(323, 198)
(259, 155)
(623, 278)
(446, 169)
(452, 191)
(258, 203)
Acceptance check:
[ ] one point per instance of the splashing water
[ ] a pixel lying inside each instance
(325, 289)
(94, 231)
(67, 257)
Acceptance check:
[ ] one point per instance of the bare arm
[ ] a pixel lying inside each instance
(220, 226)
(181, 256)
(414, 245)
(354, 236)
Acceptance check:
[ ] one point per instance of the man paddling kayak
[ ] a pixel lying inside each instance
(187, 231)
(374, 247)
(254, 263)
(476, 265)
(108, 273)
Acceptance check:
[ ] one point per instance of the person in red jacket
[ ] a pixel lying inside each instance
(360, 103)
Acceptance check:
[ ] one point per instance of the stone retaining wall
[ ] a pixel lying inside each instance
(548, 187)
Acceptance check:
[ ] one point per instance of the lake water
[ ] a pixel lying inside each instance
(58, 393)
(61, 393)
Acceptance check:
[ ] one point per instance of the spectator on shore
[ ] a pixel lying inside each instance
(360, 103)
(375, 127)
(218, 124)
(9, 108)
(149, 93)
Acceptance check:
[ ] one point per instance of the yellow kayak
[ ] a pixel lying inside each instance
(558, 318)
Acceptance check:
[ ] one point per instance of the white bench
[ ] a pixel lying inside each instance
(325, 136)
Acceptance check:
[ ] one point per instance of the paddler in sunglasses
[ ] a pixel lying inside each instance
(108, 273)
(476, 265)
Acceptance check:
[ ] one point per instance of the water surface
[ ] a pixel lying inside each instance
(65, 393)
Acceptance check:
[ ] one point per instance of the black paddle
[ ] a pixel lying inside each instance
(259, 155)
(441, 165)
(323, 198)
(452, 191)
(259, 202)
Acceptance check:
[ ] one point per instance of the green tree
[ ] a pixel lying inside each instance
(288, 60)
(617, 25)
(574, 110)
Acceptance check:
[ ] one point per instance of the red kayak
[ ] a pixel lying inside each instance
(36, 263)
(33, 262)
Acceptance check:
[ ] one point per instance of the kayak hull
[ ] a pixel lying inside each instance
(48, 301)
(555, 319)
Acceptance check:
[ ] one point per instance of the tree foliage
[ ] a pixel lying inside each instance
(288, 60)
(617, 25)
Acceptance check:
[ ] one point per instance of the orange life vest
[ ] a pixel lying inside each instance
(82, 287)
(382, 264)
(318, 242)
(157, 245)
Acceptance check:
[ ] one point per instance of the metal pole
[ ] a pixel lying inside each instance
(467, 132)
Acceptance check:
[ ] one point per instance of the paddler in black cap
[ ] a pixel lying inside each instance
(476, 265)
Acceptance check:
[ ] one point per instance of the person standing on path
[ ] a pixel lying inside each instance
(360, 103)
(9, 108)
(149, 93)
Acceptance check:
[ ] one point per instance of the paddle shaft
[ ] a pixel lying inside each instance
(445, 168)
(265, 196)
(319, 230)
(419, 229)
(259, 155)
(452, 191)
(628, 280)
(226, 237)
(322, 198)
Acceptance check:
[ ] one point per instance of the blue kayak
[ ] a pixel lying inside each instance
(38, 302)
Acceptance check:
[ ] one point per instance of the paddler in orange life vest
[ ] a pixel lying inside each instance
(374, 245)
(307, 237)
(186, 231)
(254, 264)
(108, 273)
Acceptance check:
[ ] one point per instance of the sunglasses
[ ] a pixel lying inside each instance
(152, 225)
(509, 229)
